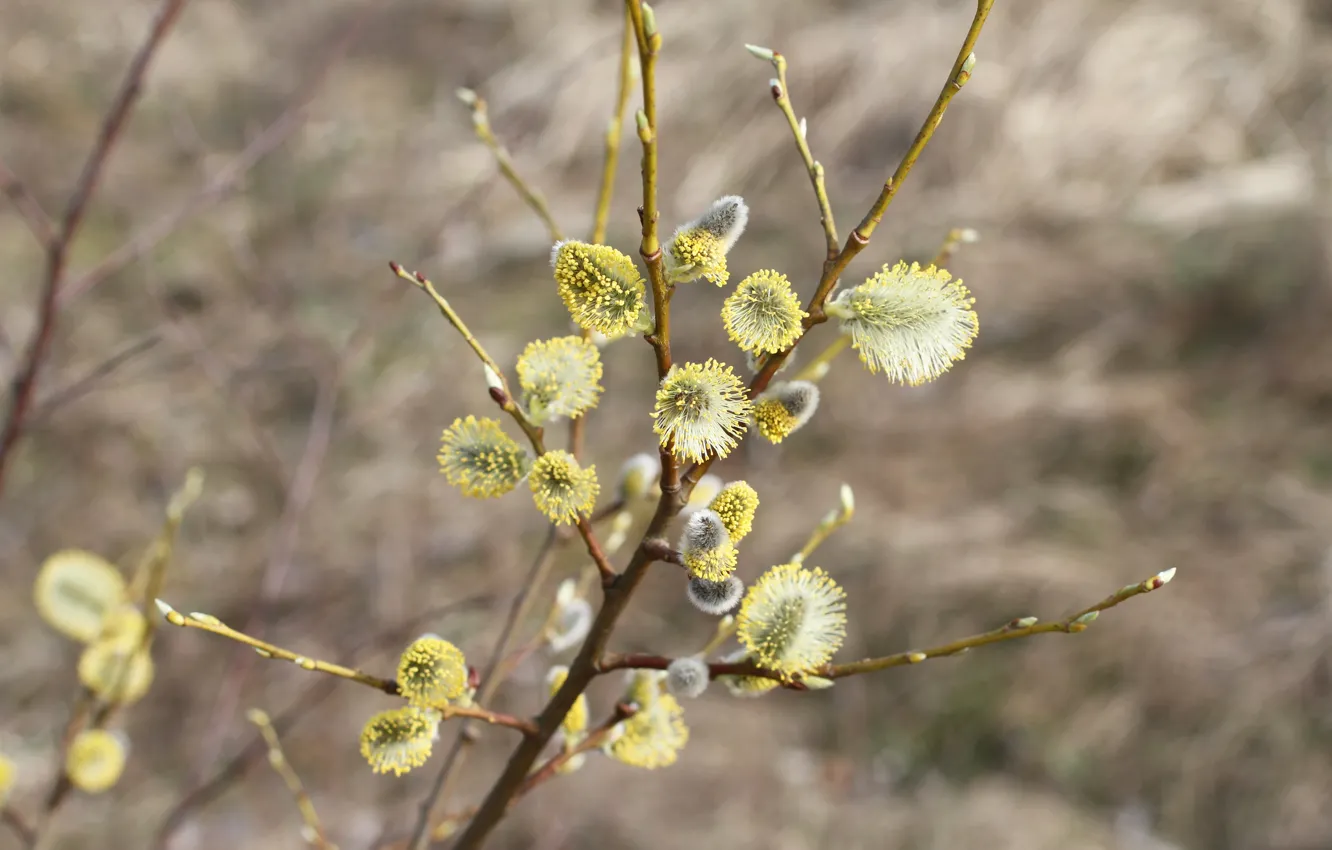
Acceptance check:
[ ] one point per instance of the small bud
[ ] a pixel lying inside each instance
(493, 380)
(763, 53)
(200, 617)
(687, 677)
(649, 21)
(566, 593)
(263, 653)
(775, 86)
(804, 134)
(1088, 618)
(916, 657)
(163, 608)
(964, 73)
(640, 118)
(1164, 577)
(968, 235)
(1024, 622)
(257, 717)
(817, 683)
(848, 501)
(467, 96)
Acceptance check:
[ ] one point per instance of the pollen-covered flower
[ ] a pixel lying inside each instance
(117, 672)
(559, 377)
(574, 724)
(687, 677)
(563, 490)
(699, 248)
(478, 458)
(399, 740)
(656, 733)
(746, 686)
(95, 759)
(736, 505)
(601, 287)
(431, 672)
(715, 597)
(784, 408)
(639, 477)
(908, 322)
(707, 548)
(792, 619)
(701, 409)
(75, 590)
(763, 315)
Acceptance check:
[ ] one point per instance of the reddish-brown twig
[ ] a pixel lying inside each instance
(57, 246)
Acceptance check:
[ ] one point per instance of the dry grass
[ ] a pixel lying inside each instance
(1152, 388)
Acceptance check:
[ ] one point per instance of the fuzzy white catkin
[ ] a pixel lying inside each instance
(703, 532)
(687, 677)
(715, 597)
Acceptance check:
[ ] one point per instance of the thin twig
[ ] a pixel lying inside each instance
(209, 623)
(296, 504)
(613, 133)
(25, 834)
(59, 398)
(230, 176)
(617, 594)
(313, 830)
(860, 237)
(1019, 628)
(29, 208)
(578, 427)
(529, 193)
(25, 382)
(211, 789)
(490, 682)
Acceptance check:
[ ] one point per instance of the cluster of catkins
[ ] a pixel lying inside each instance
(908, 322)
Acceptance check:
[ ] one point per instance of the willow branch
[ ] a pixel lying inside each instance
(529, 193)
(1013, 630)
(57, 246)
(781, 95)
(860, 237)
(313, 831)
(209, 623)
(29, 208)
(490, 682)
(613, 132)
(230, 176)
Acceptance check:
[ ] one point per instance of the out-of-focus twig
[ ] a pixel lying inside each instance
(490, 682)
(312, 830)
(530, 194)
(29, 208)
(210, 789)
(57, 245)
(229, 177)
(59, 398)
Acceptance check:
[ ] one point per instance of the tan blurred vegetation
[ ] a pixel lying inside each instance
(1152, 387)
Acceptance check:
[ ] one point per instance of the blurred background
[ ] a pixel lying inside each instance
(1151, 388)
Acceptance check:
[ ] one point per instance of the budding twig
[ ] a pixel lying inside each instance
(781, 95)
(1014, 629)
(612, 158)
(533, 197)
(313, 831)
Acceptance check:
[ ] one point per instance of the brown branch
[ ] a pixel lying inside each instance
(215, 786)
(859, 238)
(490, 682)
(230, 176)
(29, 208)
(57, 251)
(26, 835)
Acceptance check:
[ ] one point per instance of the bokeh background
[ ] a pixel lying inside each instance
(1152, 388)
